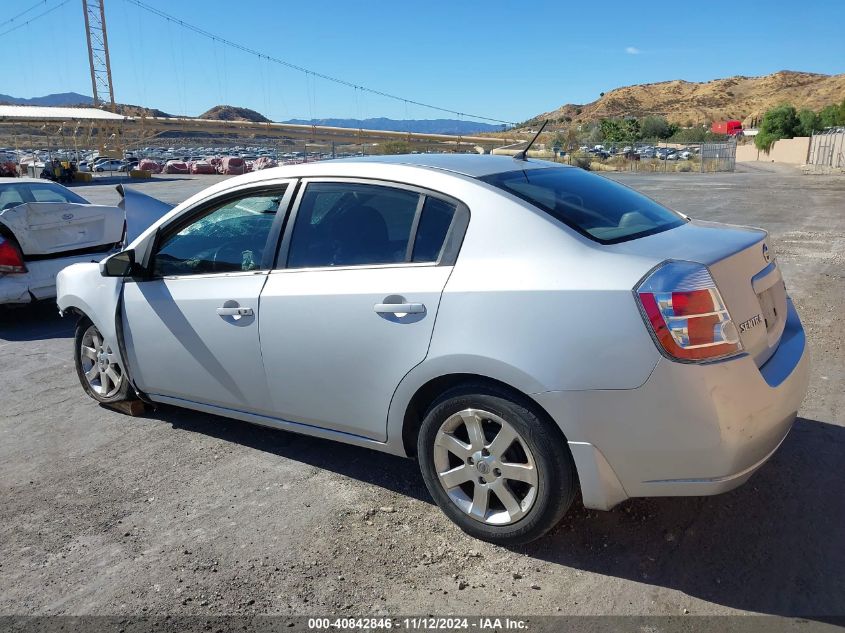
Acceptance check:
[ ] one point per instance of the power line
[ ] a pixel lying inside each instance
(12, 19)
(307, 71)
(33, 18)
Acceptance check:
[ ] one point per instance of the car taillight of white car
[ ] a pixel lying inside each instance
(686, 314)
(11, 259)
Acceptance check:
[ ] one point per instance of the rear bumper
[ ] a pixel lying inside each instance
(689, 430)
(39, 282)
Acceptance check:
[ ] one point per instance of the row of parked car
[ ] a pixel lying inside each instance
(646, 151)
(229, 165)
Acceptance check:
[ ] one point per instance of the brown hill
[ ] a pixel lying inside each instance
(688, 103)
(232, 113)
(138, 111)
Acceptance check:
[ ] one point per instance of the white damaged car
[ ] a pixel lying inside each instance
(45, 227)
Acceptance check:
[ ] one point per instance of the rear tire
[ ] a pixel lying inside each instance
(496, 468)
(100, 375)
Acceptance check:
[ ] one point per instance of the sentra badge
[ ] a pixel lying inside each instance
(750, 323)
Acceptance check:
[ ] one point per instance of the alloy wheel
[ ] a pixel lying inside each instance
(99, 364)
(485, 467)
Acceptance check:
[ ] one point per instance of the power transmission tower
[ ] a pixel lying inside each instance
(109, 135)
(98, 52)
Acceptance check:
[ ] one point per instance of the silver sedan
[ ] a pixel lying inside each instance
(525, 330)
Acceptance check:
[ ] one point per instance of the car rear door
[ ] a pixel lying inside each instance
(350, 308)
(191, 324)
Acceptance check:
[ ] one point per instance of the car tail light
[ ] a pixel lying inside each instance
(11, 260)
(684, 310)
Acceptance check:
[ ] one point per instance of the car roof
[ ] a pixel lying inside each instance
(25, 179)
(473, 165)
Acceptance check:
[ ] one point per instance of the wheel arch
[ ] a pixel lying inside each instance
(430, 390)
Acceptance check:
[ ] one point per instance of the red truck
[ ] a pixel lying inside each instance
(731, 128)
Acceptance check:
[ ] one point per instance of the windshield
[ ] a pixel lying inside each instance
(597, 207)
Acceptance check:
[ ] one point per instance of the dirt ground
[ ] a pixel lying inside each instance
(185, 513)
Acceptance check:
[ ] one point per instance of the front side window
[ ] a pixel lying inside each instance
(229, 237)
(597, 207)
(351, 224)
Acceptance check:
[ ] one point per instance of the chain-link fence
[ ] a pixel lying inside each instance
(655, 156)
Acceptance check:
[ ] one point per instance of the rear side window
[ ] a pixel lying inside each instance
(431, 233)
(350, 224)
(597, 207)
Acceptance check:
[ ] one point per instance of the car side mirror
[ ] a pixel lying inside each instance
(118, 265)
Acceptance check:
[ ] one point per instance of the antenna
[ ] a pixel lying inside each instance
(523, 155)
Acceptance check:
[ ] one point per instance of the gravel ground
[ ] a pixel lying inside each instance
(184, 513)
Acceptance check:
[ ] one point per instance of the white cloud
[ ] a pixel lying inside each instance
(633, 50)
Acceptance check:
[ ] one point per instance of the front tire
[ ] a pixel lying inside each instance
(100, 375)
(501, 472)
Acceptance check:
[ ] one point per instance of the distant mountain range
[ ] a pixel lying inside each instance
(234, 113)
(59, 99)
(425, 126)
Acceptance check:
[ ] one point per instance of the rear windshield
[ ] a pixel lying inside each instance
(597, 207)
(13, 194)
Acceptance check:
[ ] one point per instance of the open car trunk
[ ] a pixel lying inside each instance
(43, 229)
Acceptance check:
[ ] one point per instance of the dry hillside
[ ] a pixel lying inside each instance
(233, 113)
(687, 102)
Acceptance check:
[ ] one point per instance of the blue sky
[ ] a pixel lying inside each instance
(506, 60)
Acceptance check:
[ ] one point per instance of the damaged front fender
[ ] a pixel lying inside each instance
(81, 288)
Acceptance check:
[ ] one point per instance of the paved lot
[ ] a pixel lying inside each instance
(185, 513)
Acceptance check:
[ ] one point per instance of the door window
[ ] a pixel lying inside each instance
(350, 224)
(228, 237)
(433, 227)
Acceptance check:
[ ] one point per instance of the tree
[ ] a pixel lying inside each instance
(653, 127)
(779, 122)
(611, 131)
(631, 131)
(696, 134)
(808, 122)
(556, 142)
(620, 130)
(832, 115)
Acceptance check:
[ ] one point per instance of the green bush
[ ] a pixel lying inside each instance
(579, 159)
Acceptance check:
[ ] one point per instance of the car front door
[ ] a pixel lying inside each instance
(191, 323)
(350, 308)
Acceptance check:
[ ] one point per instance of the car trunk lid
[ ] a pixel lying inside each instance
(48, 228)
(740, 263)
